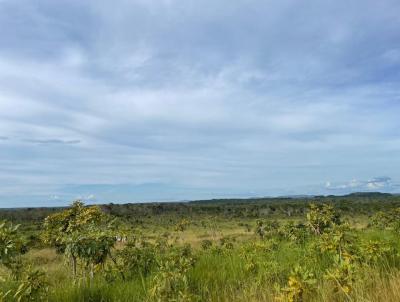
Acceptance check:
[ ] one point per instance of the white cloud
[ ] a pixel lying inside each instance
(382, 184)
(245, 96)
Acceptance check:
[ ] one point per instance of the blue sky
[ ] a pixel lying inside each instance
(123, 101)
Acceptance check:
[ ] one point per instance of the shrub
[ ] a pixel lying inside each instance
(137, 260)
(171, 283)
(374, 251)
(321, 217)
(294, 232)
(266, 228)
(342, 276)
(300, 283)
(33, 286)
(206, 244)
(11, 248)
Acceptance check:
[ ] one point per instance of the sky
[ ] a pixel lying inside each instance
(143, 100)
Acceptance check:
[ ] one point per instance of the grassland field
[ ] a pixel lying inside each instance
(338, 249)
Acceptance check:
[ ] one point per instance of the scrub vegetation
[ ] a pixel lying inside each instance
(284, 249)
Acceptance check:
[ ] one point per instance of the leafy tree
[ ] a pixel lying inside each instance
(81, 233)
(321, 217)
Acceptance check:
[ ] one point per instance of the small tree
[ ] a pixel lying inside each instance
(321, 217)
(81, 233)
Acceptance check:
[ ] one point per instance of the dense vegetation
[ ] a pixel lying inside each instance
(284, 249)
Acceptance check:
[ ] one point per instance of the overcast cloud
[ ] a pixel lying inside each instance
(169, 100)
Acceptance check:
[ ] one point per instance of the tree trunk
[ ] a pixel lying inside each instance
(73, 262)
(91, 274)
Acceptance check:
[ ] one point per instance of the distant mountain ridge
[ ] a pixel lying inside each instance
(356, 195)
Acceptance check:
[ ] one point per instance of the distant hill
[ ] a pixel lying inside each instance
(356, 195)
(362, 202)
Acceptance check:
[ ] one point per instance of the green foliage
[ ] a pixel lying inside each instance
(374, 251)
(338, 241)
(81, 233)
(76, 219)
(301, 282)
(171, 282)
(253, 254)
(11, 248)
(206, 244)
(333, 260)
(137, 260)
(266, 228)
(182, 225)
(380, 220)
(227, 242)
(33, 286)
(321, 217)
(387, 220)
(294, 232)
(342, 276)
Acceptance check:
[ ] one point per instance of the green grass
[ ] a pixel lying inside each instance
(252, 269)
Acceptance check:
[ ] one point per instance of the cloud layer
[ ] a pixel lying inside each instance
(182, 99)
(377, 184)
